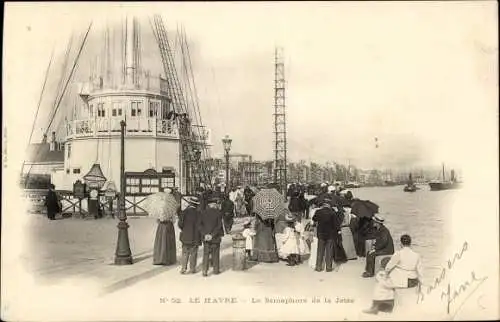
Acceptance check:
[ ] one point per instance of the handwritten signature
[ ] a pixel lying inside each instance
(453, 295)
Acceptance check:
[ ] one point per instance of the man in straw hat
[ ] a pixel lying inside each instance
(189, 223)
(383, 245)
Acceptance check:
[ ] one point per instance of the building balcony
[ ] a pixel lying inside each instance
(135, 126)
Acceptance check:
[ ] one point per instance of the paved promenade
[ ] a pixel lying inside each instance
(75, 257)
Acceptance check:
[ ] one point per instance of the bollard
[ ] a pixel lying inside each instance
(239, 255)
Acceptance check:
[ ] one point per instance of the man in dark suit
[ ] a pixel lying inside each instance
(212, 231)
(227, 208)
(189, 223)
(383, 245)
(327, 231)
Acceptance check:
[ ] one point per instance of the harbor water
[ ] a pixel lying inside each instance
(424, 215)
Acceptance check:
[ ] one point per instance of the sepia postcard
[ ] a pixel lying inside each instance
(250, 161)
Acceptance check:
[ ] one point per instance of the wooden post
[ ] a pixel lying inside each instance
(239, 255)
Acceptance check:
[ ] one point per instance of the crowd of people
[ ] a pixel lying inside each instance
(326, 230)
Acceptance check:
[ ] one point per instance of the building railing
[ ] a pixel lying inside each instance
(111, 126)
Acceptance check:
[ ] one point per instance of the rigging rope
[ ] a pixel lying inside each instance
(70, 76)
(38, 109)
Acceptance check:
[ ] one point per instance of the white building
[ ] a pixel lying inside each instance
(152, 134)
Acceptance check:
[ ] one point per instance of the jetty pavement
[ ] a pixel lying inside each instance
(75, 257)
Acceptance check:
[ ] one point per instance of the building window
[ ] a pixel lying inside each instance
(152, 110)
(167, 183)
(91, 110)
(101, 112)
(69, 150)
(67, 171)
(136, 109)
(164, 109)
(141, 184)
(133, 185)
(139, 108)
(76, 170)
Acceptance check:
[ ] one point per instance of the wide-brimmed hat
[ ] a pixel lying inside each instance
(247, 223)
(192, 200)
(378, 219)
(289, 217)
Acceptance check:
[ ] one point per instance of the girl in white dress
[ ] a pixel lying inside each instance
(290, 247)
(248, 233)
(302, 235)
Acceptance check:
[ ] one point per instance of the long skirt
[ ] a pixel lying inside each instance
(339, 255)
(348, 243)
(314, 253)
(265, 245)
(164, 251)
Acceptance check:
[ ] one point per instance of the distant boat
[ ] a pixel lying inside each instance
(410, 185)
(352, 184)
(437, 185)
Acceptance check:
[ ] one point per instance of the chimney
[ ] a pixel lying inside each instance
(53, 142)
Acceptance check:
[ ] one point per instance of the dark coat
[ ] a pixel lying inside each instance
(295, 205)
(383, 241)
(211, 224)
(328, 223)
(189, 223)
(52, 202)
(227, 208)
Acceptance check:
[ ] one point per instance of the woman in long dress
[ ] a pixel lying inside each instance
(314, 248)
(347, 236)
(264, 243)
(164, 251)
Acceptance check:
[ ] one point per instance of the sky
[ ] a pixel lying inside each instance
(421, 77)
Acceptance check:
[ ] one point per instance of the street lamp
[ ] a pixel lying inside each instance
(226, 141)
(123, 255)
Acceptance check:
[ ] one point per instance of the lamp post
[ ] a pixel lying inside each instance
(226, 141)
(123, 255)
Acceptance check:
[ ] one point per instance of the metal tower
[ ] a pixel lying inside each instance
(280, 163)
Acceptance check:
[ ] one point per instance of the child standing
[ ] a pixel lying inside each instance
(290, 246)
(383, 295)
(301, 236)
(248, 233)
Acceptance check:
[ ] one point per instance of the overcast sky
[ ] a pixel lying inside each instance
(420, 77)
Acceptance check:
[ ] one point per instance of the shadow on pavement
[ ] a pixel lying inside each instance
(158, 270)
(135, 279)
(142, 258)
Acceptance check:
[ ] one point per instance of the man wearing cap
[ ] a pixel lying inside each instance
(212, 231)
(383, 245)
(189, 223)
(327, 230)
